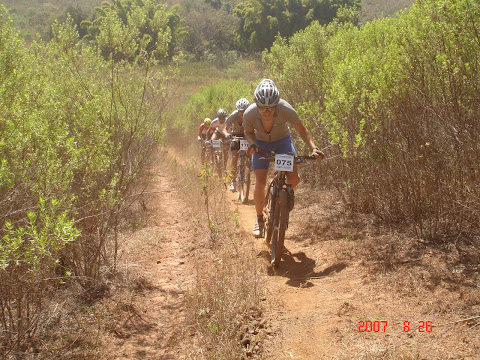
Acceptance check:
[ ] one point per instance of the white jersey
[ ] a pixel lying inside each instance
(218, 125)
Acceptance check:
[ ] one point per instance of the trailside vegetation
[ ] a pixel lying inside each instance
(262, 20)
(398, 101)
(142, 25)
(75, 131)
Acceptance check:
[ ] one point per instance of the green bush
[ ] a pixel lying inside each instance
(206, 102)
(398, 101)
(76, 131)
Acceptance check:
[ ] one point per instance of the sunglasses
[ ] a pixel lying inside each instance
(266, 109)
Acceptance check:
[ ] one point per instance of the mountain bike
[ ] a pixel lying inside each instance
(279, 202)
(244, 167)
(218, 157)
(206, 151)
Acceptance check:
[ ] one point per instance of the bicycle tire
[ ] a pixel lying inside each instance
(280, 226)
(268, 209)
(219, 165)
(239, 178)
(245, 185)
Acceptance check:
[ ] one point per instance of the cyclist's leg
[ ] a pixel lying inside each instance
(234, 161)
(233, 170)
(215, 136)
(260, 168)
(259, 192)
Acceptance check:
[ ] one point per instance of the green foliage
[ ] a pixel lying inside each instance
(211, 30)
(376, 9)
(299, 70)
(123, 29)
(262, 20)
(75, 132)
(398, 101)
(207, 101)
(35, 18)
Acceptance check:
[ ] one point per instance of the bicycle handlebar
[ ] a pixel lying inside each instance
(298, 159)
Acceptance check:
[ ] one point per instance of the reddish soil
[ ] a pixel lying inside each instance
(340, 271)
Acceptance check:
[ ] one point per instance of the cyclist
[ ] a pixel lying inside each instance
(218, 130)
(266, 124)
(202, 134)
(235, 128)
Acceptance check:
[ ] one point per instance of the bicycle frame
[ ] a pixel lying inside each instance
(219, 158)
(242, 175)
(277, 209)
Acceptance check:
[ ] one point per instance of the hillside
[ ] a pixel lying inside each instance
(36, 17)
(33, 17)
(374, 9)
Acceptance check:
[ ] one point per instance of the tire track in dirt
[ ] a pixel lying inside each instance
(158, 252)
(304, 295)
(314, 301)
(325, 286)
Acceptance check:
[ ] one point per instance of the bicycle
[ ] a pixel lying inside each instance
(278, 203)
(218, 157)
(205, 151)
(244, 167)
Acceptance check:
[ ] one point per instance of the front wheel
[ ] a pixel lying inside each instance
(280, 218)
(245, 184)
(219, 164)
(268, 210)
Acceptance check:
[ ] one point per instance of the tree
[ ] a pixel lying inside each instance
(262, 20)
(157, 29)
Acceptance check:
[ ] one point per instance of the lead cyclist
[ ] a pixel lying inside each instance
(266, 129)
(235, 128)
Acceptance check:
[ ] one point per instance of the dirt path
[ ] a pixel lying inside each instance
(326, 301)
(338, 273)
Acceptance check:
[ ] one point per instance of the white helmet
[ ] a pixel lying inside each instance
(266, 94)
(222, 113)
(242, 104)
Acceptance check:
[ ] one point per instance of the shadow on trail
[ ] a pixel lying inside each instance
(299, 269)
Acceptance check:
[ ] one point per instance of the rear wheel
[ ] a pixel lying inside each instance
(239, 178)
(280, 217)
(219, 164)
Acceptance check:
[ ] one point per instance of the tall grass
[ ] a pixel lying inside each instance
(225, 298)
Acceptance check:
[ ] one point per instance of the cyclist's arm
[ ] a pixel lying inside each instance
(211, 131)
(250, 137)
(307, 137)
(305, 134)
(228, 125)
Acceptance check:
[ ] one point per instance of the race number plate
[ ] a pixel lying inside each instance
(284, 162)
(216, 143)
(243, 145)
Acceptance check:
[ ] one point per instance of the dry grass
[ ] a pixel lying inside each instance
(215, 313)
(224, 304)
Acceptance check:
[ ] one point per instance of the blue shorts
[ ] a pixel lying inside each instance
(282, 146)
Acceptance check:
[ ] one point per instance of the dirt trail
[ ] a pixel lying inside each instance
(323, 292)
(337, 273)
